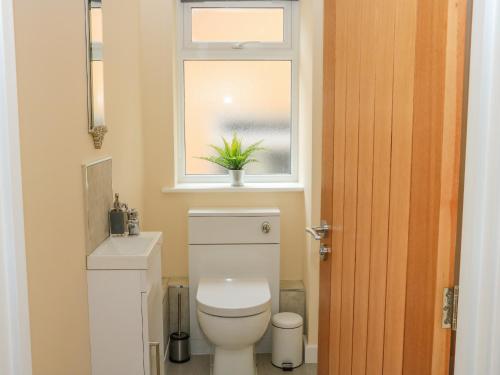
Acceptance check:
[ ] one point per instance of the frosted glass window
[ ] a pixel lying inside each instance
(252, 98)
(237, 25)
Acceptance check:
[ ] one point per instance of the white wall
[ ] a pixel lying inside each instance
(15, 346)
(478, 336)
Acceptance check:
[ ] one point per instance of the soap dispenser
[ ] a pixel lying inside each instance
(118, 218)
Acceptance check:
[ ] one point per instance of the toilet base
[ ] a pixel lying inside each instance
(237, 361)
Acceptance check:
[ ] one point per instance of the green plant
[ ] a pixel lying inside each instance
(232, 156)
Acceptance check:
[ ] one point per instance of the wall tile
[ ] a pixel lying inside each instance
(292, 299)
(98, 200)
(178, 286)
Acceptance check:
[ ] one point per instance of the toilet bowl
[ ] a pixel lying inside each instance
(234, 314)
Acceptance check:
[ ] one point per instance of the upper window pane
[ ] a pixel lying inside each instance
(237, 25)
(250, 98)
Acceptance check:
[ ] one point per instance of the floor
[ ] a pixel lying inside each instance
(200, 365)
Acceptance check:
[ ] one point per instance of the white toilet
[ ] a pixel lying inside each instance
(234, 274)
(234, 314)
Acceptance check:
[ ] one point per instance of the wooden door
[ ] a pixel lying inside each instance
(393, 84)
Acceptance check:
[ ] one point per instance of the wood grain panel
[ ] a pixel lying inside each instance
(450, 175)
(385, 13)
(425, 185)
(327, 184)
(402, 129)
(393, 90)
(365, 187)
(341, 47)
(351, 184)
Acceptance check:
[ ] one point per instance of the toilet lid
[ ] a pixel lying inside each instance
(233, 297)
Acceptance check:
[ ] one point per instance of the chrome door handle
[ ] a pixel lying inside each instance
(324, 251)
(156, 345)
(319, 232)
(314, 233)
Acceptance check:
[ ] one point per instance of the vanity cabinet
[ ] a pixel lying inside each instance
(125, 306)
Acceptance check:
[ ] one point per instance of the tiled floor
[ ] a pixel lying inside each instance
(200, 365)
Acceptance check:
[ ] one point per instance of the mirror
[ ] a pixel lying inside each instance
(95, 71)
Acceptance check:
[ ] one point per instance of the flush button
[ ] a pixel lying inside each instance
(266, 227)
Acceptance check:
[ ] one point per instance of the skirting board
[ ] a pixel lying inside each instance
(310, 352)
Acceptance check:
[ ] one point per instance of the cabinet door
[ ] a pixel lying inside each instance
(116, 327)
(152, 328)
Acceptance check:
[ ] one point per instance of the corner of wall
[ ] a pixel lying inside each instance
(311, 63)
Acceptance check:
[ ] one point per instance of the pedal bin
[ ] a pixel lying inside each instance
(287, 330)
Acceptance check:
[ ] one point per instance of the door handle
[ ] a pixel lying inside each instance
(324, 251)
(319, 232)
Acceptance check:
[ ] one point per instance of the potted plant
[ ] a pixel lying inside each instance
(233, 157)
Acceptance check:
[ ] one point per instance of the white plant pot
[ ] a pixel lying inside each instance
(237, 177)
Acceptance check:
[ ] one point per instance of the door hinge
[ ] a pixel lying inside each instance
(450, 308)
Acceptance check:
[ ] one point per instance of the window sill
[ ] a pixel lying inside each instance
(264, 187)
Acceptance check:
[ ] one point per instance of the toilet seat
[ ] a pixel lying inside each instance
(233, 297)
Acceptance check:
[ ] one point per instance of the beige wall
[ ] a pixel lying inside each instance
(50, 49)
(169, 215)
(54, 140)
(311, 105)
(168, 212)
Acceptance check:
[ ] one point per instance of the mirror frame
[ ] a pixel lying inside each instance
(96, 131)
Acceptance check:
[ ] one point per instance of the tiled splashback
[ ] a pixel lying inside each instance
(292, 299)
(98, 184)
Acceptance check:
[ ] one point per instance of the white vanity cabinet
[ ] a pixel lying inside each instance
(125, 306)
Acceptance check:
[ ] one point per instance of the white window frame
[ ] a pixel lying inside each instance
(288, 50)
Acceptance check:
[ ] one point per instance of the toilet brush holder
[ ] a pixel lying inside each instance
(179, 349)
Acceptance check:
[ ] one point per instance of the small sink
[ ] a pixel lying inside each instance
(132, 252)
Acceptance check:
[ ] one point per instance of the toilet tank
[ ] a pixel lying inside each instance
(236, 242)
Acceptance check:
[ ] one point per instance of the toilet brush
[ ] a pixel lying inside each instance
(179, 350)
(179, 313)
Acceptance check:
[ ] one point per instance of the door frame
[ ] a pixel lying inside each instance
(15, 345)
(478, 334)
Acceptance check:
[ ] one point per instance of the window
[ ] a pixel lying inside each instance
(237, 24)
(238, 74)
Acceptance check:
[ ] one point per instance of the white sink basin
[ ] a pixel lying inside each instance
(127, 253)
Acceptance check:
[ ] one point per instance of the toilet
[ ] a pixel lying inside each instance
(234, 314)
(234, 258)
